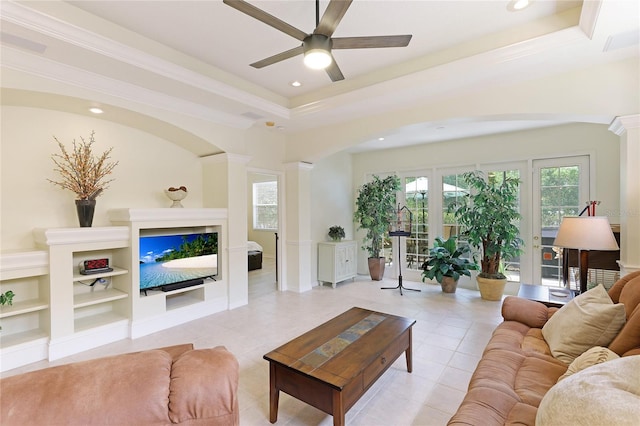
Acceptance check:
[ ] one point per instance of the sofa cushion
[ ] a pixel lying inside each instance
(616, 290)
(605, 394)
(591, 319)
(629, 337)
(133, 389)
(524, 311)
(214, 368)
(594, 356)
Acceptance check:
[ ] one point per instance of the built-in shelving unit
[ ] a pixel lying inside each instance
(25, 324)
(86, 310)
(58, 311)
(157, 310)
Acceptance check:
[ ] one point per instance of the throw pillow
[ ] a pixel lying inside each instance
(594, 356)
(605, 394)
(591, 319)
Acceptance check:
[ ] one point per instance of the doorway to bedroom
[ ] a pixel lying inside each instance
(262, 233)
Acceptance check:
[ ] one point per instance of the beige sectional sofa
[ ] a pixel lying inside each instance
(174, 385)
(516, 380)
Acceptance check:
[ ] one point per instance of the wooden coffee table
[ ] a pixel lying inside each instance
(333, 365)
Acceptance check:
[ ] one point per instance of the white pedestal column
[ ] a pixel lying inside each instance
(628, 128)
(225, 185)
(298, 226)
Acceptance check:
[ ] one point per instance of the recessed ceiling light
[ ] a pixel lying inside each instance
(269, 123)
(515, 5)
(380, 139)
(296, 83)
(96, 110)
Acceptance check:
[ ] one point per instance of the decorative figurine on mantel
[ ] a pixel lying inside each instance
(176, 195)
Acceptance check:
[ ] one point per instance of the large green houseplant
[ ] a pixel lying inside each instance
(488, 217)
(446, 263)
(375, 209)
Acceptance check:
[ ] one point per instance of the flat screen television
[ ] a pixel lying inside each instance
(177, 258)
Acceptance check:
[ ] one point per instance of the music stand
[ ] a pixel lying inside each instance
(398, 229)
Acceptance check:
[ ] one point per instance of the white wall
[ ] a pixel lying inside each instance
(147, 166)
(331, 201)
(567, 140)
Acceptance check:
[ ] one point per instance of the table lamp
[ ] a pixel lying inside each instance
(584, 234)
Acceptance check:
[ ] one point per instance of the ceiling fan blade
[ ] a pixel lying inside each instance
(279, 57)
(370, 42)
(332, 17)
(268, 19)
(334, 71)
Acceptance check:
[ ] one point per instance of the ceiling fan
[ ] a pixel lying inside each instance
(317, 46)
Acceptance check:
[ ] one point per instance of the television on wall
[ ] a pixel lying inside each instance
(177, 260)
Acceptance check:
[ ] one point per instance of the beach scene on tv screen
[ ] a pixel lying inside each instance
(167, 259)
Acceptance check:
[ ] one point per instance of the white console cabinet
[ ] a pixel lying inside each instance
(337, 261)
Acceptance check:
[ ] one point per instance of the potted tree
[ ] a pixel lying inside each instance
(488, 219)
(445, 263)
(375, 208)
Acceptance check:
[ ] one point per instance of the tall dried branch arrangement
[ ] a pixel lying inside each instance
(81, 172)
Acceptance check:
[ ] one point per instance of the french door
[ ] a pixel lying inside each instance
(415, 195)
(560, 188)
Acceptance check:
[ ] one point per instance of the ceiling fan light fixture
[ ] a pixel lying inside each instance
(317, 59)
(317, 48)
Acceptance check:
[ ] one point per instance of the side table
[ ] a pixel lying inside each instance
(544, 294)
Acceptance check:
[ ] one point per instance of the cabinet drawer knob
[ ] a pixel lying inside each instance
(383, 360)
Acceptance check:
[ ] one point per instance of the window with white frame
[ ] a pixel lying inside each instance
(265, 205)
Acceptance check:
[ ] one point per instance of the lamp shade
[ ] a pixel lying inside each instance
(586, 233)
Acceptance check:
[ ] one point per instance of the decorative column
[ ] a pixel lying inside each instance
(628, 128)
(224, 185)
(298, 226)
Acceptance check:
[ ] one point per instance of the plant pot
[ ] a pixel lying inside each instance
(376, 268)
(449, 285)
(491, 289)
(85, 210)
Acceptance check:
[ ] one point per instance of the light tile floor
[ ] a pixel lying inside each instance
(448, 338)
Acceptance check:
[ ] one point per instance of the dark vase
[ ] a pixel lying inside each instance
(85, 209)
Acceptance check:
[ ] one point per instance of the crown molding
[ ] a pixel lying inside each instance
(164, 214)
(58, 236)
(226, 157)
(589, 16)
(26, 17)
(298, 165)
(23, 263)
(46, 68)
(621, 124)
(399, 91)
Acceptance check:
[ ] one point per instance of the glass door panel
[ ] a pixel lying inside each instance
(416, 195)
(559, 187)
